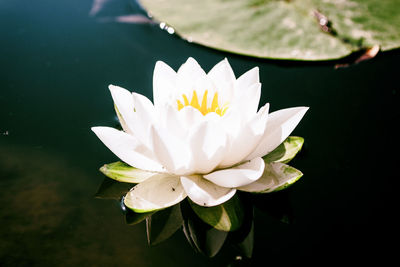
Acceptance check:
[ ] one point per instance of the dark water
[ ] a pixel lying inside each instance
(56, 63)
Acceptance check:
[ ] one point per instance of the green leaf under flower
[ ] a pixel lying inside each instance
(288, 171)
(276, 176)
(122, 172)
(286, 151)
(225, 217)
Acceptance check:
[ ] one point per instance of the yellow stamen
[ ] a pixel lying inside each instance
(180, 105)
(185, 99)
(195, 101)
(203, 108)
(214, 104)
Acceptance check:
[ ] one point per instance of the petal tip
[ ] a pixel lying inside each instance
(112, 87)
(96, 129)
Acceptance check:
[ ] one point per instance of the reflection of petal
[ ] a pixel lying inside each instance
(158, 192)
(97, 6)
(205, 193)
(241, 175)
(135, 19)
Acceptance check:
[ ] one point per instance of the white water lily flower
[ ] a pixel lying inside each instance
(203, 137)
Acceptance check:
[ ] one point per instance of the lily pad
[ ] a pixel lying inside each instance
(299, 30)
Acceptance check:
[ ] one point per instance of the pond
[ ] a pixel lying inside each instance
(56, 63)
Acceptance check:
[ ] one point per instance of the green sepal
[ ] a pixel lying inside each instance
(277, 176)
(286, 151)
(122, 172)
(289, 170)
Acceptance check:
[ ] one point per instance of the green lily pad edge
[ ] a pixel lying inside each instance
(306, 30)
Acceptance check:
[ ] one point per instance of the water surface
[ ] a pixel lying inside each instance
(56, 64)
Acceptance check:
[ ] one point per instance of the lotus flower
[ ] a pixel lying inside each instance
(203, 137)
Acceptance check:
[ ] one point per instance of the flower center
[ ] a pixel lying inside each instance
(204, 108)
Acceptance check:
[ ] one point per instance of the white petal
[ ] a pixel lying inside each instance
(246, 138)
(191, 68)
(247, 99)
(144, 117)
(124, 103)
(187, 76)
(164, 83)
(223, 78)
(169, 119)
(205, 193)
(208, 143)
(275, 175)
(189, 117)
(280, 124)
(170, 151)
(241, 175)
(128, 149)
(247, 79)
(157, 192)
